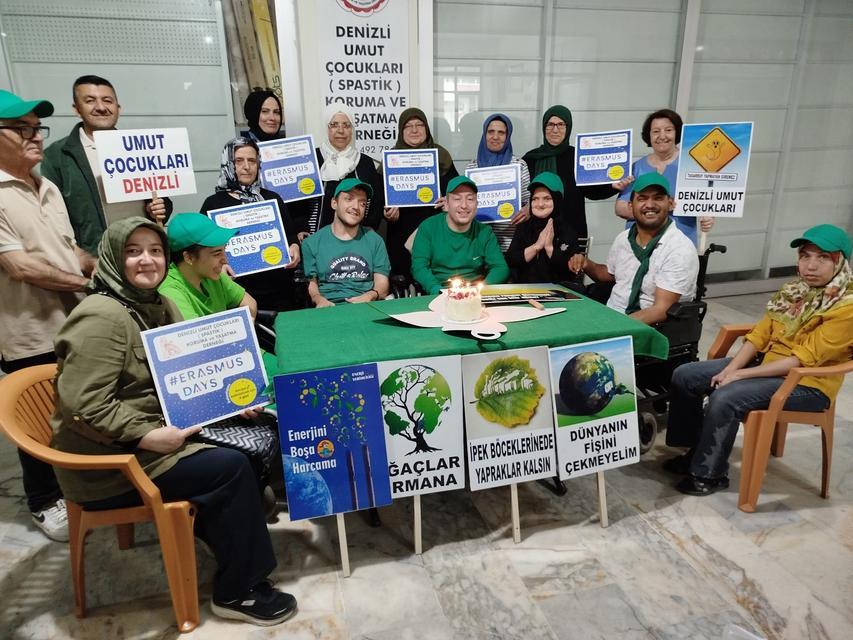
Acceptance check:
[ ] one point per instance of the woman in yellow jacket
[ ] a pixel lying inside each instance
(809, 322)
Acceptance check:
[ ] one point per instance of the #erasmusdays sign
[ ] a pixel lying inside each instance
(332, 441)
(136, 163)
(422, 415)
(498, 192)
(509, 419)
(411, 177)
(595, 405)
(713, 164)
(207, 368)
(602, 157)
(289, 167)
(260, 244)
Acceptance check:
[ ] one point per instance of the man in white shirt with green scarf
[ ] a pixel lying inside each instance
(652, 265)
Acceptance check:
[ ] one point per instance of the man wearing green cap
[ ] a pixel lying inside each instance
(346, 262)
(455, 245)
(652, 265)
(41, 274)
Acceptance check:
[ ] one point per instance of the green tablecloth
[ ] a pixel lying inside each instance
(350, 334)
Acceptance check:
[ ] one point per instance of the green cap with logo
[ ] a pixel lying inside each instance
(550, 181)
(351, 183)
(11, 106)
(188, 229)
(652, 179)
(458, 181)
(827, 237)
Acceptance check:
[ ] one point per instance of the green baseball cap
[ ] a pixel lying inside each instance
(458, 181)
(11, 106)
(550, 181)
(188, 229)
(827, 237)
(653, 179)
(352, 183)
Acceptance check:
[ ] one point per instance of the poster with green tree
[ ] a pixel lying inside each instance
(422, 414)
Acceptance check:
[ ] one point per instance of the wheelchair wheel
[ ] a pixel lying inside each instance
(648, 431)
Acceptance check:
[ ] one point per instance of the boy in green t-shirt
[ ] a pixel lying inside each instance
(345, 262)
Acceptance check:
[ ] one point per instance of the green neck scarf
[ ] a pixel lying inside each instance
(109, 279)
(545, 155)
(643, 254)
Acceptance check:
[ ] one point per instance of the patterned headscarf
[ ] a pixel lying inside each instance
(487, 158)
(228, 173)
(797, 302)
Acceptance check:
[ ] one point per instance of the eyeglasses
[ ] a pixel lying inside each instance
(28, 132)
(414, 126)
(555, 126)
(346, 126)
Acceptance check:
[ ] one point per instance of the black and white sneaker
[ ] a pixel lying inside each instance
(264, 605)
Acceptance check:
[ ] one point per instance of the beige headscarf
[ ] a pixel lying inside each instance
(337, 165)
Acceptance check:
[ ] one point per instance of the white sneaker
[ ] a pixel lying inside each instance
(53, 521)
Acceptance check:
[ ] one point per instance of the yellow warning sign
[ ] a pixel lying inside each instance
(714, 151)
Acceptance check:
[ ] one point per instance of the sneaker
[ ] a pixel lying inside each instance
(264, 605)
(53, 521)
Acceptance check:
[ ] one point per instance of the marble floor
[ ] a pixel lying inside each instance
(668, 566)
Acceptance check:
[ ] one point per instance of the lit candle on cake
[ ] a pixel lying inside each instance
(463, 301)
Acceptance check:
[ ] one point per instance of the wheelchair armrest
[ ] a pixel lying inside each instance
(266, 317)
(683, 310)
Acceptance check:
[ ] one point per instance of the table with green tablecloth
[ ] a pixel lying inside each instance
(349, 334)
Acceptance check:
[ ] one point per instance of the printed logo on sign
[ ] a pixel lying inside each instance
(363, 7)
(714, 151)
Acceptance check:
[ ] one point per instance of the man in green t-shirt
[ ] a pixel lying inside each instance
(196, 282)
(346, 263)
(455, 245)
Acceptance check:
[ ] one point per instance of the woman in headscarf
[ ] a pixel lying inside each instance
(414, 133)
(808, 323)
(495, 150)
(338, 159)
(543, 244)
(557, 155)
(662, 132)
(239, 183)
(263, 113)
(106, 403)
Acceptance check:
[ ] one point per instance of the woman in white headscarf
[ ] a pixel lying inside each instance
(339, 158)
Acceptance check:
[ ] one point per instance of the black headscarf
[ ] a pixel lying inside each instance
(546, 154)
(252, 111)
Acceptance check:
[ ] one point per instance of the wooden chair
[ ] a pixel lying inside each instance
(26, 404)
(765, 431)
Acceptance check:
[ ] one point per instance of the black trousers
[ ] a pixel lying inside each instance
(230, 519)
(40, 485)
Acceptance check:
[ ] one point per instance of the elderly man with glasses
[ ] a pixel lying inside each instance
(42, 271)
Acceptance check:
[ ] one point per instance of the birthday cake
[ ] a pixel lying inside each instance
(463, 302)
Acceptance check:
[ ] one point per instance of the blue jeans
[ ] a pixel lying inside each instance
(711, 433)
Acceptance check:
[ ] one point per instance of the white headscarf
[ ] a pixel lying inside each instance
(337, 164)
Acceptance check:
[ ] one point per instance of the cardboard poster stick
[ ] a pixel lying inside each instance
(419, 548)
(516, 523)
(703, 241)
(342, 541)
(602, 499)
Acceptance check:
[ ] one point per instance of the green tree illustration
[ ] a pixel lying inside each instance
(420, 396)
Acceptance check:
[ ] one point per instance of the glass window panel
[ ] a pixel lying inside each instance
(777, 7)
(823, 128)
(469, 31)
(825, 84)
(611, 85)
(747, 38)
(615, 35)
(824, 168)
(721, 84)
(831, 39)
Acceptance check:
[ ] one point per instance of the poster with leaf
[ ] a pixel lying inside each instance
(422, 418)
(509, 420)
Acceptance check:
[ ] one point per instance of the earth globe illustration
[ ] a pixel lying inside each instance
(588, 384)
(308, 489)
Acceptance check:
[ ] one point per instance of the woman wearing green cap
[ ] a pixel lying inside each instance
(809, 322)
(106, 403)
(557, 155)
(542, 245)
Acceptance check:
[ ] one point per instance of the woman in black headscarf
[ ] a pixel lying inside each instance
(264, 114)
(106, 403)
(557, 155)
(239, 183)
(413, 133)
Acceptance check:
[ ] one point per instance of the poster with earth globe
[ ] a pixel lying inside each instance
(595, 406)
(424, 435)
(332, 441)
(509, 422)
